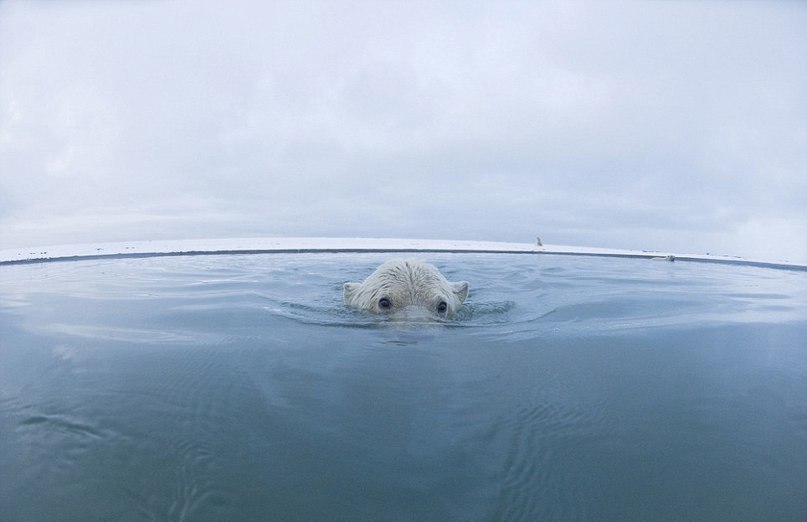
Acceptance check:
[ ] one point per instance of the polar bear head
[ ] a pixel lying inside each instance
(407, 285)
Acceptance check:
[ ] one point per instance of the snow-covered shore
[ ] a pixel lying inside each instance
(349, 245)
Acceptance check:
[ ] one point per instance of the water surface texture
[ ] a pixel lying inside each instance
(239, 387)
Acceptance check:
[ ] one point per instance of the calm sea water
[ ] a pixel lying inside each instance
(240, 388)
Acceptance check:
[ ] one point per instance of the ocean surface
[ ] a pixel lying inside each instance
(238, 387)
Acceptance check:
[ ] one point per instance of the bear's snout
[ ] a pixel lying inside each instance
(415, 313)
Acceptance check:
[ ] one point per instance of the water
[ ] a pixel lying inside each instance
(240, 388)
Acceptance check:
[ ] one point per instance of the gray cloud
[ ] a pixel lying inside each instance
(662, 125)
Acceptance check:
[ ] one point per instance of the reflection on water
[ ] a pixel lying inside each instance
(240, 388)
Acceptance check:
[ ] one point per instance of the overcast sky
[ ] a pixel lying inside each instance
(665, 125)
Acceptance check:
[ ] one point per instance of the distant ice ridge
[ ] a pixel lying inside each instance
(331, 244)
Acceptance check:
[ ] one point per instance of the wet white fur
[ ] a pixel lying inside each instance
(407, 283)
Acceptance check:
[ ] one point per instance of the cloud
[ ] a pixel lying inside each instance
(666, 125)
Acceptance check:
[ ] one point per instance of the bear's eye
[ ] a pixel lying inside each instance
(442, 307)
(384, 303)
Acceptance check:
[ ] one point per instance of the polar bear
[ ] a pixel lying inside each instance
(407, 285)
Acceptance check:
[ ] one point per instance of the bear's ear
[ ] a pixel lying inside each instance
(460, 290)
(350, 291)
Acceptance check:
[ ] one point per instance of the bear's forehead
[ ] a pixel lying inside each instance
(401, 287)
(410, 281)
(407, 276)
(419, 278)
(408, 270)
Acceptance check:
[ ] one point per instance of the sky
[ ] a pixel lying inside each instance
(664, 125)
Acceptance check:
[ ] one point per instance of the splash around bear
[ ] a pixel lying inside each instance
(407, 287)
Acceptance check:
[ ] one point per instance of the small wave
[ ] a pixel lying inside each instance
(64, 424)
(112, 333)
(485, 312)
(533, 485)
